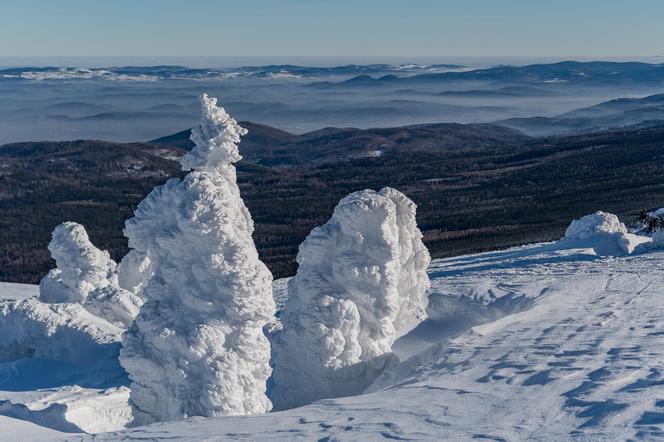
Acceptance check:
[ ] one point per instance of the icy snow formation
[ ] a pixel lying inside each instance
(197, 347)
(134, 270)
(81, 267)
(61, 332)
(59, 367)
(86, 275)
(604, 233)
(360, 285)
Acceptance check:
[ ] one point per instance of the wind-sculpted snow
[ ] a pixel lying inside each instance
(86, 275)
(360, 285)
(214, 148)
(542, 342)
(134, 270)
(197, 347)
(604, 233)
(81, 267)
(62, 332)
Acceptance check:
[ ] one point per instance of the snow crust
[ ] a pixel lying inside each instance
(59, 368)
(197, 347)
(360, 285)
(61, 332)
(604, 233)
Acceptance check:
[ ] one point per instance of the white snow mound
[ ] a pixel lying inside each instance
(604, 233)
(360, 285)
(61, 332)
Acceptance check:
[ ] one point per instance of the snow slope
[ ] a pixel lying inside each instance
(533, 343)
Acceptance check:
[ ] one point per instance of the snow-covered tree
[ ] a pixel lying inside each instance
(197, 347)
(86, 275)
(360, 285)
(81, 267)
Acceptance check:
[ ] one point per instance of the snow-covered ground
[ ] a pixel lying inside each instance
(540, 342)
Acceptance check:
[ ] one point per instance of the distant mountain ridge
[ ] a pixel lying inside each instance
(622, 112)
(272, 147)
(164, 72)
(576, 72)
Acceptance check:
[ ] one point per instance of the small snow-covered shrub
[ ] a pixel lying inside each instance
(360, 285)
(81, 267)
(86, 275)
(651, 222)
(605, 233)
(197, 347)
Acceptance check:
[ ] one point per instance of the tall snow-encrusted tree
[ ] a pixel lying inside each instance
(197, 347)
(360, 285)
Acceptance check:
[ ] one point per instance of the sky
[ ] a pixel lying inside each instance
(416, 28)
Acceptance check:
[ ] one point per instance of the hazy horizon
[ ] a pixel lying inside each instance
(311, 61)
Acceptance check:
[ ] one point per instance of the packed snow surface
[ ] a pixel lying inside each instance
(550, 343)
(197, 347)
(361, 284)
(543, 342)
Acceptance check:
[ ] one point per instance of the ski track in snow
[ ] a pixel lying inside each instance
(531, 343)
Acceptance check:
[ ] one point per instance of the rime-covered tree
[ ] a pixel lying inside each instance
(81, 267)
(360, 285)
(86, 275)
(197, 347)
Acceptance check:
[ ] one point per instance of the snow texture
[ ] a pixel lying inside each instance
(550, 343)
(542, 342)
(604, 233)
(197, 347)
(86, 275)
(61, 332)
(134, 270)
(59, 368)
(360, 285)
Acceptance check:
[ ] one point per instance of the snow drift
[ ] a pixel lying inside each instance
(360, 285)
(604, 233)
(61, 332)
(86, 275)
(197, 347)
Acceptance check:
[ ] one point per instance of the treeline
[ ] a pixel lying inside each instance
(469, 199)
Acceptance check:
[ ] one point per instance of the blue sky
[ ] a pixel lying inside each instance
(331, 28)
